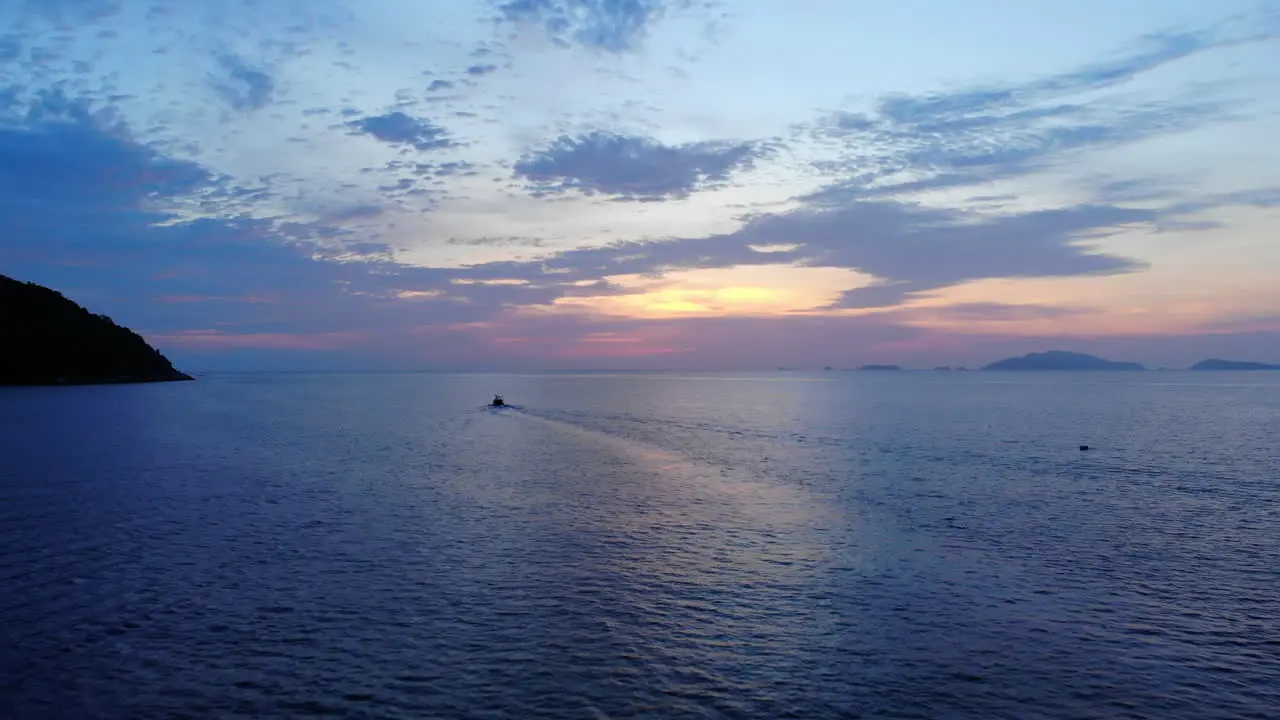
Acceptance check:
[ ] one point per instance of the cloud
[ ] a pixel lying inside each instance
(611, 25)
(68, 13)
(912, 249)
(133, 217)
(574, 341)
(243, 88)
(213, 339)
(89, 209)
(1132, 189)
(927, 249)
(433, 170)
(85, 206)
(10, 48)
(354, 212)
(396, 128)
(496, 242)
(976, 107)
(632, 168)
(993, 312)
(427, 183)
(85, 169)
(913, 143)
(898, 157)
(1263, 198)
(1182, 198)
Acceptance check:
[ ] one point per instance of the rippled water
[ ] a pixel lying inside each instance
(831, 545)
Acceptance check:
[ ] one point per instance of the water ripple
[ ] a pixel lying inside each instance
(382, 547)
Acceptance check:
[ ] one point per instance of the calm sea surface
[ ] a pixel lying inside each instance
(916, 545)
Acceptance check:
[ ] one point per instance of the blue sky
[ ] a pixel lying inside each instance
(640, 183)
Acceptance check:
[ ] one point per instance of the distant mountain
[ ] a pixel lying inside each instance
(1060, 360)
(879, 367)
(50, 340)
(1215, 364)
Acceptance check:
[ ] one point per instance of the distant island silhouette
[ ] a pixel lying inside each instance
(51, 340)
(1216, 364)
(1060, 360)
(1066, 360)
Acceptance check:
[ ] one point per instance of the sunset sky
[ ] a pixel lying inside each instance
(510, 184)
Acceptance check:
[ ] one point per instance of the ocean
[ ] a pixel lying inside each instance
(774, 545)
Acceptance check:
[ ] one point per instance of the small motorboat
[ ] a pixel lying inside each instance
(498, 401)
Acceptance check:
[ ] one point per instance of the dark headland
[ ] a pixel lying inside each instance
(1060, 360)
(1216, 364)
(50, 340)
(880, 367)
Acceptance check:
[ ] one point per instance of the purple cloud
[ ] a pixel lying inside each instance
(632, 168)
(397, 128)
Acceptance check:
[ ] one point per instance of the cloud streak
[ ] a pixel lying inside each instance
(912, 249)
(243, 87)
(970, 136)
(610, 25)
(632, 168)
(397, 128)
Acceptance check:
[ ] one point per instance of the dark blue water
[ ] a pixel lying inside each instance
(835, 545)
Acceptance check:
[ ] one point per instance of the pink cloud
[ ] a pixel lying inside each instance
(1261, 323)
(207, 339)
(618, 345)
(627, 350)
(551, 337)
(552, 341)
(611, 337)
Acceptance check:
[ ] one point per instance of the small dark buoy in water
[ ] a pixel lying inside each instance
(1084, 447)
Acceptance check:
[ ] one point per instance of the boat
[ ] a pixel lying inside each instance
(498, 401)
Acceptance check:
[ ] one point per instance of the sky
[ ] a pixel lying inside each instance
(649, 184)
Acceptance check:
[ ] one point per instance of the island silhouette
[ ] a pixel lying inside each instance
(1216, 364)
(1064, 360)
(51, 340)
(1060, 360)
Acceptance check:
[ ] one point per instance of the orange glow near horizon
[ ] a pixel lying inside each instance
(592, 344)
(760, 290)
(1162, 301)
